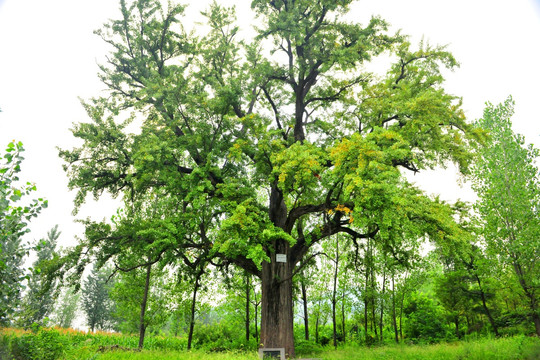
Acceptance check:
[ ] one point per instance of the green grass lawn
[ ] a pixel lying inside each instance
(57, 344)
(520, 347)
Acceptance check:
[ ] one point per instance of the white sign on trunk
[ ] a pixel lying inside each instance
(281, 258)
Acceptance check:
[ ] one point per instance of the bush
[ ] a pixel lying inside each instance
(424, 316)
(45, 344)
(214, 337)
(307, 347)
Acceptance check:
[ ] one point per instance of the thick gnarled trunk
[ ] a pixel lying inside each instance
(277, 307)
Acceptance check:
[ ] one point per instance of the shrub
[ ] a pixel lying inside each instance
(307, 347)
(44, 344)
(424, 319)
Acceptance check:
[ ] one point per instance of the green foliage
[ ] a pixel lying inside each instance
(15, 213)
(424, 319)
(66, 308)
(38, 302)
(127, 293)
(215, 133)
(307, 347)
(507, 183)
(95, 300)
(43, 344)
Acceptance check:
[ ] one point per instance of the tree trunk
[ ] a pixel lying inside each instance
(192, 314)
(373, 304)
(366, 303)
(484, 304)
(374, 318)
(530, 294)
(334, 291)
(142, 326)
(334, 319)
(276, 304)
(247, 306)
(394, 322)
(536, 319)
(343, 316)
(304, 299)
(317, 328)
(256, 322)
(382, 306)
(401, 307)
(401, 315)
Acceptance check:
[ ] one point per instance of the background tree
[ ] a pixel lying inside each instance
(95, 300)
(271, 146)
(14, 217)
(507, 183)
(127, 295)
(66, 308)
(38, 302)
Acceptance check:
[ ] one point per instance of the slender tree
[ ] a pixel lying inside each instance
(14, 218)
(95, 300)
(507, 183)
(38, 302)
(132, 308)
(66, 309)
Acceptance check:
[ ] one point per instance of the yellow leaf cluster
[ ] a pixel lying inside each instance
(342, 208)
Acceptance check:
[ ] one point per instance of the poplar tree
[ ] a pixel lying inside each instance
(95, 301)
(506, 181)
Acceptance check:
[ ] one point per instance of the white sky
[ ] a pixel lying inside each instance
(48, 57)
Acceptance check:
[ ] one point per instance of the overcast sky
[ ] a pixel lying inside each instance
(49, 56)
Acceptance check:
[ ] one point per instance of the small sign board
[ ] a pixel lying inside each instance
(272, 353)
(281, 258)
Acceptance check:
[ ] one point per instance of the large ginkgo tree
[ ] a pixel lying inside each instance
(285, 139)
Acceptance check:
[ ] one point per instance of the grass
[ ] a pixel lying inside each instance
(77, 345)
(518, 348)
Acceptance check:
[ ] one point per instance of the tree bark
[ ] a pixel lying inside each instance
(142, 325)
(276, 303)
(304, 299)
